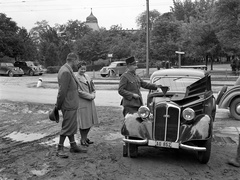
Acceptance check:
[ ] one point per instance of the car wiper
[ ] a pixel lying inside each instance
(157, 79)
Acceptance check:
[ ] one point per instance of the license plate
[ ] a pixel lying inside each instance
(167, 144)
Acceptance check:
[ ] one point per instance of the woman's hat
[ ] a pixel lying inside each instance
(54, 115)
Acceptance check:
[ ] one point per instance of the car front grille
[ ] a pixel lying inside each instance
(166, 122)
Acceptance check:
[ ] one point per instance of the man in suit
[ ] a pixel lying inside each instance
(129, 88)
(67, 102)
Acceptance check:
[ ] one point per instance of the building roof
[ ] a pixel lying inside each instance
(92, 22)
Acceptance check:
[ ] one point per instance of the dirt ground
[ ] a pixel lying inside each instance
(28, 142)
(35, 159)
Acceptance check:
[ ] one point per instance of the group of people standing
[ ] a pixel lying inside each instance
(76, 96)
(75, 99)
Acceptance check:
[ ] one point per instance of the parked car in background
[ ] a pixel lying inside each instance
(28, 67)
(40, 67)
(115, 68)
(229, 98)
(10, 70)
(180, 115)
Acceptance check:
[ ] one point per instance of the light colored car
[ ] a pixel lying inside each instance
(229, 98)
(115, 68)
(180, 115)
(10, 70)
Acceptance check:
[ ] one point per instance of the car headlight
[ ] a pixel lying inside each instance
(188, 114)
(143, 112)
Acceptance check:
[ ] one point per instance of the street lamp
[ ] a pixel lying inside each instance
(147, 39)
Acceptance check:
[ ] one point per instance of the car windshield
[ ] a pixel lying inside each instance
(175, 83)
(113, 64)
(29, 63)
(9, 64)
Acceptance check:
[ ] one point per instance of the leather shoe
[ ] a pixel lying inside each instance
(234, 162)
(75, 149)
(60, 152)
(84, 143)
(89, 142)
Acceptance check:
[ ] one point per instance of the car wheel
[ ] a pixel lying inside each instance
(30, 73)
(235, 108)
(10, 74)
(103, 75)
(223, 90)
(133, 150)
(204, 156)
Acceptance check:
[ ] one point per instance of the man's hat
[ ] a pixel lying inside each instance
(130, 60)
(54, 115)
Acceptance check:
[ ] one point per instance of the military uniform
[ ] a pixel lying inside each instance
(130, 84)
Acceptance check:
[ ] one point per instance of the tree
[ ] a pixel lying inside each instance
(165, 37)
(91, 47)
(141, 19)
(227, 25)
(9, 39)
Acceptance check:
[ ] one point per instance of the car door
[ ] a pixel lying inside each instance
(121, 68)
(2, 68)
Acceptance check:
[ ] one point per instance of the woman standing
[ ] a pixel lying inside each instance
(87, 114)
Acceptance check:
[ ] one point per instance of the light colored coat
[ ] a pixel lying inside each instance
(87, 114)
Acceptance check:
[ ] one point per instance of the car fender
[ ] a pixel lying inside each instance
(201, 129)
(228, 96)
(134, 126)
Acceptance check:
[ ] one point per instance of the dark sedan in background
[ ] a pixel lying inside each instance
(10, 70)
(28, 67)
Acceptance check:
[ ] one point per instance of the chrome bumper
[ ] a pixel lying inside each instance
(181, 146)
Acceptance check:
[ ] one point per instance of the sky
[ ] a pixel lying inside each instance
(108, 12)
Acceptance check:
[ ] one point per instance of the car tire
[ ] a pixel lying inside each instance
(234, 106)
(31, 73)
(223, 90)
(10, 74)
(204, 156)
(133, 150)
(103, 75)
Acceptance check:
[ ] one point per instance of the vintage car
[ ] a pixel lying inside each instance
(9, 69)
(28, 67)
(229, 98)
(180, 115)
(115, 68)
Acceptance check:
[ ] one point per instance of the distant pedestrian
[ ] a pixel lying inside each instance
(129, 88)
(87, 114)
(67, 102)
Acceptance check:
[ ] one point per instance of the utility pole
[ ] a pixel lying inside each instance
(147, 38)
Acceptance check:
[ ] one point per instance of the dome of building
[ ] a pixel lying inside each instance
(92, 22)
(91, 19)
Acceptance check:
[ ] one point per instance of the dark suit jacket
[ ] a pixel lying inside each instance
(67, 98)
(130, 84)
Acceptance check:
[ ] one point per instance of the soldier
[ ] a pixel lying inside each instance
(129, 88)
